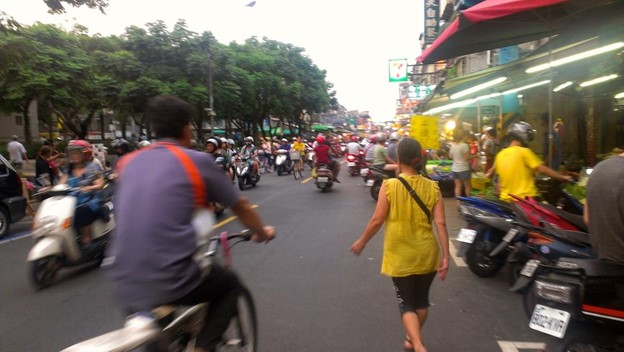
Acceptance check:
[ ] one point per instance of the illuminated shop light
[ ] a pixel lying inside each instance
(576, 57)
(516, 90)
(478, 87)
(598, 80)
(619, 95)
(562, 86)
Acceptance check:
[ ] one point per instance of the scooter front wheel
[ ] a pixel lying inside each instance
(241, 184)
(43, 271)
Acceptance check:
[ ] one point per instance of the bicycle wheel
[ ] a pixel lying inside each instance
(297, 170)
(242, 333)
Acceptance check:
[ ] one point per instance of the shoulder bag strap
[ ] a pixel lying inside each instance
(416, 198)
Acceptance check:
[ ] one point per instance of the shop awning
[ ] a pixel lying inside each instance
(500, 23)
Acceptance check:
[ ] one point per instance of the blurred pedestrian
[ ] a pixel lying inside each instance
(460, 154)
(17, 153)
(489, 147)
(412, 254)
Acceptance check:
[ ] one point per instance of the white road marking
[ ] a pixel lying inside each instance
(459, 261)
(513, 346)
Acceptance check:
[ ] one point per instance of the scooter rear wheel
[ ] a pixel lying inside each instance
(478, 257)
(43, 271)
(375, 189)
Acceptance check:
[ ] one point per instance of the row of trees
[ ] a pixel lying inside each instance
(75, 77)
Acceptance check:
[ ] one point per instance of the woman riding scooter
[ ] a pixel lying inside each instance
(88, 177)
(322, 155)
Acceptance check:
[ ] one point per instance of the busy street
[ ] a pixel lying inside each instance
(312, 294)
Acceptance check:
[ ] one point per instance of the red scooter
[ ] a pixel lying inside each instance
(356, 163)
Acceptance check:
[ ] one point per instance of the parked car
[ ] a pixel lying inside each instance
(12, 202)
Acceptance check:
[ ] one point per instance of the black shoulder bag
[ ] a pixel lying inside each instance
(416, 198)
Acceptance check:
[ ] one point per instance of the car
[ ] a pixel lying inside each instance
(12, 202)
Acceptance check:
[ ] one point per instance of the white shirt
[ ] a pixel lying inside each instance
(16, 150)
(353, 148)
(459, 153)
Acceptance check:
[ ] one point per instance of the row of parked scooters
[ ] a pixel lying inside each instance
(548, 258)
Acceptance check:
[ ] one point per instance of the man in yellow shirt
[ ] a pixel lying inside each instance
(517, 164)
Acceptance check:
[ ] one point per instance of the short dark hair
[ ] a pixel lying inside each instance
(409, 152)
(168, 115)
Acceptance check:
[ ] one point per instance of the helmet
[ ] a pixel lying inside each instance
(354, 139)
(82, 146)
(213, 141)
(294, 139)
(285, 140)
(248, 139)
(143, 144)
(223, 140)
(521, 131)
(394, 136)
(320, 139)
(230, 141)
(373, 139)
(381, 137)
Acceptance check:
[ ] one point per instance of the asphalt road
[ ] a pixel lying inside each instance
(312, 294)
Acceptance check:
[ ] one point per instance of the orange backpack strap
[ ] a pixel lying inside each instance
(199, 188)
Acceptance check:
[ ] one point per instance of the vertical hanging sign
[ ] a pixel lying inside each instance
(397, 70)
(432, 20)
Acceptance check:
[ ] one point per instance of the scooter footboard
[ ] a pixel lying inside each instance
(45, 247)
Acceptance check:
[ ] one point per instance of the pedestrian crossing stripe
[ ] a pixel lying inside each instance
(513, 346)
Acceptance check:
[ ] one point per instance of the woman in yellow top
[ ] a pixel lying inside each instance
(299, 146)
(412, 254)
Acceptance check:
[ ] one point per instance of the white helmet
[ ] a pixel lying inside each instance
(394, 136)
(381, 137)
(230, 141)
(248, 139)
(213, 141)
(143, 144)
(284, 140)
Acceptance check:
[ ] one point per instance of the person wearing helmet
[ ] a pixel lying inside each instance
(323, 155)
(88, 177)
(381, 159)
(250, 153)
(517, 164)
(353, 147)
(143, 144)
(369, 152)
(392, 145)
(155, 239)
(212, 146)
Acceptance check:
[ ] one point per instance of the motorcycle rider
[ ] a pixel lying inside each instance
(250, 153)
(354, 147)
(120, 147)
(322, 155)
(392, 145)
(154, 243)
(381, 159)
(212, 146)
(516, 164)
(369, 152)
(84, 174)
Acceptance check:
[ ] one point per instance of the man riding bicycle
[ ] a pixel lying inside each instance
(155, 238)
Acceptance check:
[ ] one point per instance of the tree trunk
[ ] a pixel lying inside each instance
(102, 132)
(26, 120)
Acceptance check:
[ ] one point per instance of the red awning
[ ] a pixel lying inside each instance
(498, 23)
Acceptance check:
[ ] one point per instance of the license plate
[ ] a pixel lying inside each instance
(364, 172)
(466, 235)
(322, 179)
(549, 320)
(370, 183)
(529, 268)
(510, 235)
(350, 164)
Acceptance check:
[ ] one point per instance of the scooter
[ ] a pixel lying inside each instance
(354, 162)
(245, 173)
(219, 208)
(578, 300)
(282, 163)
(378, 176)
(56, 239)
(324, 178)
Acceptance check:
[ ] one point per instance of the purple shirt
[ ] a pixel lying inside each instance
(154, 240)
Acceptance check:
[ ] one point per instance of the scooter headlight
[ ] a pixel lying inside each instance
(555, 292)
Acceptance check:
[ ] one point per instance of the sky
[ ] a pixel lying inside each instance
(350, 39)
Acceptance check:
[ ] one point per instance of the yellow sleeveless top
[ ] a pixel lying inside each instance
(410, 246)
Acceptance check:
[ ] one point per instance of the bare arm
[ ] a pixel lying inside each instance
(249, 217)
(552, 173)
(439, 219)
(375, 222)
(98, 184)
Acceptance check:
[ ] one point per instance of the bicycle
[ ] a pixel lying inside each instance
(296, 158)
(161, 330)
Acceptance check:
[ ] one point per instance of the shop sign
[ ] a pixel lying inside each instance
(432, 20)
(426, 130)
(397, 70)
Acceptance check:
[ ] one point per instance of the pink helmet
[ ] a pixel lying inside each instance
(373, 139)
(81, 145)
(354, 139)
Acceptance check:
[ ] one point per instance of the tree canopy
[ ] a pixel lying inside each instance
(76, 76)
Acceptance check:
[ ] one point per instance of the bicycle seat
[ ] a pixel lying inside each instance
(137, 331)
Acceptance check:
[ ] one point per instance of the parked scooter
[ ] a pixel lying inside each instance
(324, 178)
(578, 300)
(283, 164)
(245, 173)
(57, 243)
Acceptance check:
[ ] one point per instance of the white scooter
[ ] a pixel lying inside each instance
(56, 240)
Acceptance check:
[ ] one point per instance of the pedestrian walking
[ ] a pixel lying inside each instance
(412, 254)
(17, 153)
(460, 154)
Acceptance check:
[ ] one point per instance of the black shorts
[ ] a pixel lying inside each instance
(413, 291)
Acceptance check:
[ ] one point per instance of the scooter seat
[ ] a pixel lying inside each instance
(575, 220)
(595, 267)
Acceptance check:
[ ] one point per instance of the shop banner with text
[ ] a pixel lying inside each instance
(426, 130)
